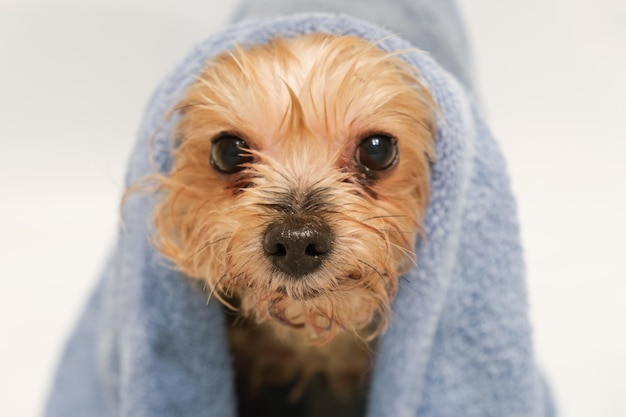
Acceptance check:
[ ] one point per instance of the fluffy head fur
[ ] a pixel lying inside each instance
(303, 106)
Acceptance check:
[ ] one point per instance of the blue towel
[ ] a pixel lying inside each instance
(459, 342)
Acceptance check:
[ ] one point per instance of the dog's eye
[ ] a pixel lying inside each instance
(228, 153)
(377, 152)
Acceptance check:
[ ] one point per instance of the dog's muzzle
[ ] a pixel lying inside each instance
(297, 244)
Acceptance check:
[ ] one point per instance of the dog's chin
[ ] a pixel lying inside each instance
(316, 313)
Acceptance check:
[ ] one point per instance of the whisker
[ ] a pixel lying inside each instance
(240, 271)
(397, 231)
(407, 252)
(380, 274)
(404, 285)
(202, 249)
(390, 216)
(214, 288)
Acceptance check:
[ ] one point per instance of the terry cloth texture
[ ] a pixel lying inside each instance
(459, 342)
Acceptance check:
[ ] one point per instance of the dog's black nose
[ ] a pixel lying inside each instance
(297, 245)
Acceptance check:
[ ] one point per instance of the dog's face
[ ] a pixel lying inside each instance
(299, 181)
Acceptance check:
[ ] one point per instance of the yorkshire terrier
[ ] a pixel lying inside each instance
(299, 182)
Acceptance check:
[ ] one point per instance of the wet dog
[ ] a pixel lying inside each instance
(299, 183)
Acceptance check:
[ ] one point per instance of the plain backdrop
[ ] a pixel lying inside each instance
(74, 79)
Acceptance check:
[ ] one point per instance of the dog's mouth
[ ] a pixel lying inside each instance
(309, 293)
(302, 295)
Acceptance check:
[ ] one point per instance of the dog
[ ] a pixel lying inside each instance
(300, 179)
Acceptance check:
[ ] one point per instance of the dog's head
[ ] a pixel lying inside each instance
(299, 182)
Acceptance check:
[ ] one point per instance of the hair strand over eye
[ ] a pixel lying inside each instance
(229, 153)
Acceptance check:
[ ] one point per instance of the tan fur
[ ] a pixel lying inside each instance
(303, 105)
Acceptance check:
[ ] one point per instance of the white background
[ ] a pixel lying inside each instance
(75, 76)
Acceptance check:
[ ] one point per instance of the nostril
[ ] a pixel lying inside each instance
(280, 250)
(319, 248)
(311, 250)
(272, 242)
